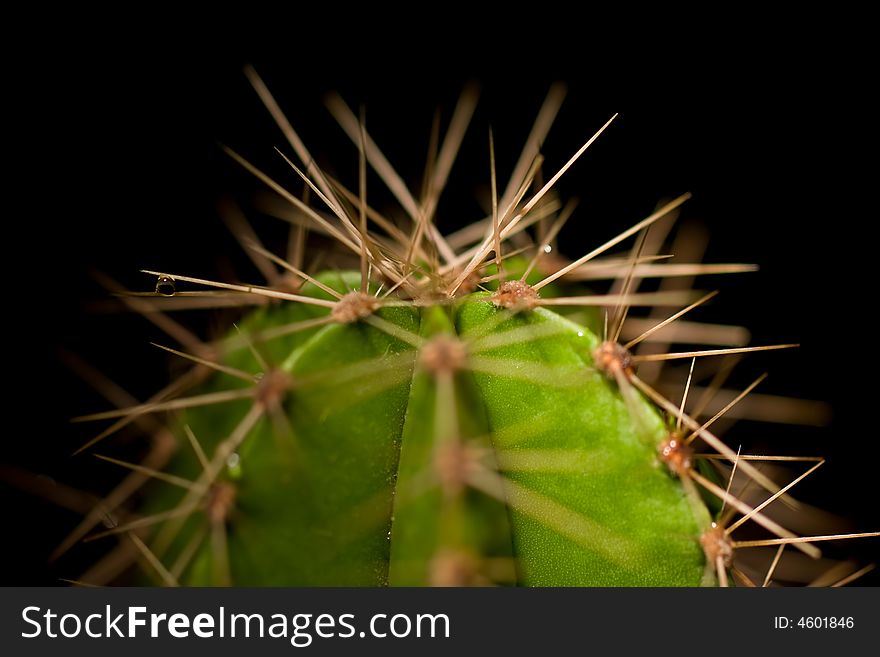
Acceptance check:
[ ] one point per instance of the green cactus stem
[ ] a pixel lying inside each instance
(459, 443)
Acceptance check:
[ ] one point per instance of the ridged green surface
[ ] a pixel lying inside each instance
(615, 517)
(350, 494)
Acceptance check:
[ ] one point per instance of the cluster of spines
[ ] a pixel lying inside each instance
(425, 269)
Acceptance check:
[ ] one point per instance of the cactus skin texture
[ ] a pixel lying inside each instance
(448, 443)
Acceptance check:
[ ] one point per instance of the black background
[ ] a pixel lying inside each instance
(115, 135)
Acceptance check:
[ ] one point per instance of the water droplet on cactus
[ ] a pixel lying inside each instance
(109, 521)
(233, 465)
(547, 248)
(166, 286)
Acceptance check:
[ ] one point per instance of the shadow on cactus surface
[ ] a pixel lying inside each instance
(398, 406)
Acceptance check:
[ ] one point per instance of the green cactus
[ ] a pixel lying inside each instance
(437, 433)
(459, 434)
